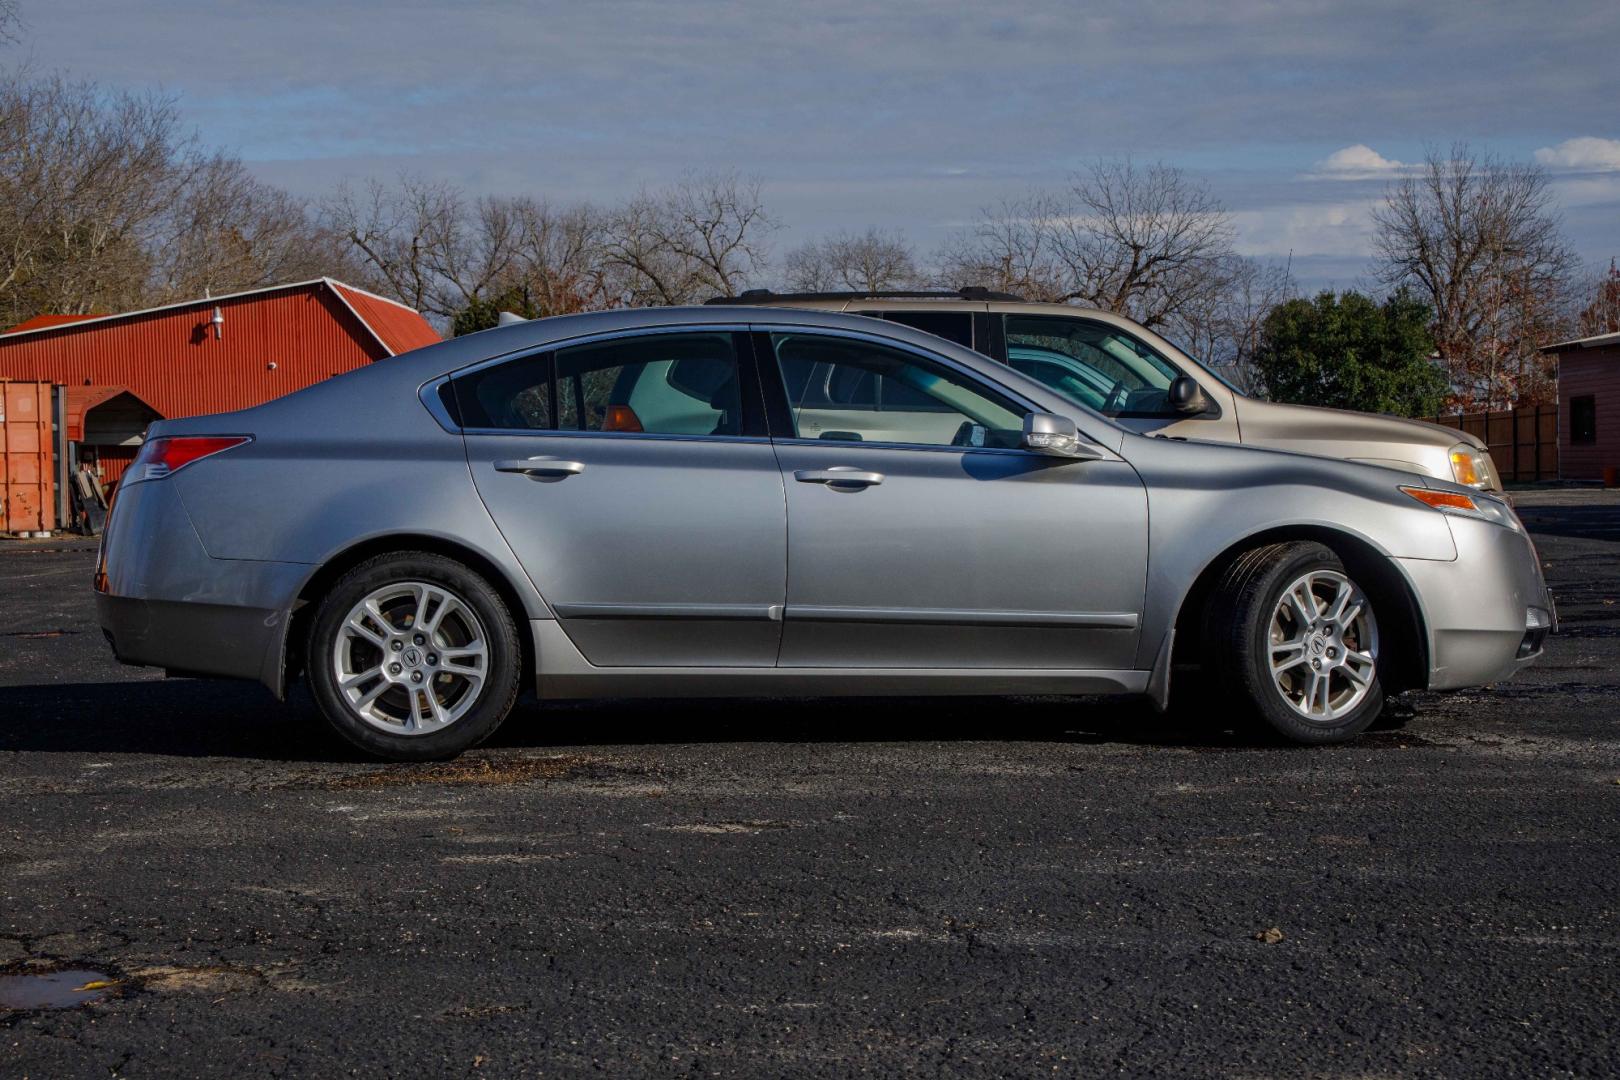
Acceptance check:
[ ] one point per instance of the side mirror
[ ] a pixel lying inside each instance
(1055, 436)
(1186, 396)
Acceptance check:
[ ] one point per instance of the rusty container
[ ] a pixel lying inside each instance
(27, 482)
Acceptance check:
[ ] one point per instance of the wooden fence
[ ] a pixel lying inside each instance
(1523, 441)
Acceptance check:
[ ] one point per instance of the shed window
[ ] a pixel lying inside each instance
(1583, 420)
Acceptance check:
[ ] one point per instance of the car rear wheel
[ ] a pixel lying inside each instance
(1291, 633)
(413, 657)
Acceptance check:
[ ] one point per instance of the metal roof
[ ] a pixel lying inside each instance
(1592, 342)
(349, 294)
(46, 322)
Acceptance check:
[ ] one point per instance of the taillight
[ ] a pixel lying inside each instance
(167, 453)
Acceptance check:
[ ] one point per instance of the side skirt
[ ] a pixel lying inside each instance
(565, 673)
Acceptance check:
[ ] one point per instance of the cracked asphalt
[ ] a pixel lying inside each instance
(982, 887)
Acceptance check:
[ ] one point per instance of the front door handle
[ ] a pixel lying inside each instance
(839, 476)
(541, 468)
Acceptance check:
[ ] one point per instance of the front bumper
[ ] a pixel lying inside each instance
(1476, 606)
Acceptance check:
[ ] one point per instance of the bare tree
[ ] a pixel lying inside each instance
(1601, 313)
(107, 204)
(228, 231)
(10, 21)
(85, 178)
(554, 260)
(423, 242)
(1477, 239)
(1146, 242)
(703, 236)
(872, 261)
(1010, 249)
(1223, 326)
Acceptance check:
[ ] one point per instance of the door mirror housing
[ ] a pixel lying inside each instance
(1186, 396)
(1055, 436)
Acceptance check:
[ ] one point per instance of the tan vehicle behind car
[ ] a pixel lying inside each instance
(1126, 371)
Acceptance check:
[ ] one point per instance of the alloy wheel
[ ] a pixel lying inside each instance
(411, 658)
(1323, 646)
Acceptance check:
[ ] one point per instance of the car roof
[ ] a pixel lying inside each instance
(768, 297)
(469, 349)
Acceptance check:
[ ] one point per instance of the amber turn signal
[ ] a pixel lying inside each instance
(1442, 500)
(621, 418)
(1465, 467)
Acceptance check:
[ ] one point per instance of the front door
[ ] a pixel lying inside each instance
(920, 536)
(633, 479)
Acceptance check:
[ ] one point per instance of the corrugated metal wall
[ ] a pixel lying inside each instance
(172, 360)
(110, 462)
(27, 481)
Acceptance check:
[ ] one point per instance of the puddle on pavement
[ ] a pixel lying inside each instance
(54, 989)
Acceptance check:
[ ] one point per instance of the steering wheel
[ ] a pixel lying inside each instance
(1117, 396)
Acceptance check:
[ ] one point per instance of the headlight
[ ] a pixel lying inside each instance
(1479, 505)
(1470, 465)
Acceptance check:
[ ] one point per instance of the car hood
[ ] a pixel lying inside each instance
(1273, 419)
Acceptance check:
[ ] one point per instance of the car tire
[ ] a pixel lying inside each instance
(1309, 678)
(442, 684)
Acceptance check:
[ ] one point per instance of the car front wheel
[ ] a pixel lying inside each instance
(413, 657)
(1291, 632)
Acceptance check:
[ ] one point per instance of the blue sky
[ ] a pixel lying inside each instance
(906, 115)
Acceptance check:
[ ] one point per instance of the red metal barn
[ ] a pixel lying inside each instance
(214, 354)
(1589, 407)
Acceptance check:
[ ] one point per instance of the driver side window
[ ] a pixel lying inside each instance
(1092, 363)
(844, 389)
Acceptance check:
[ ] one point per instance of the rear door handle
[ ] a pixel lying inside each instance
(541, 467)
(839, 476)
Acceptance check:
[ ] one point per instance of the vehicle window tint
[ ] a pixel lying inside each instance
(1092, 363)
(856, 391)
(514, 395)
(671, 384)
(954, 326)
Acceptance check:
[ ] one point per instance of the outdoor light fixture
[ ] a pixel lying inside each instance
(219, 323)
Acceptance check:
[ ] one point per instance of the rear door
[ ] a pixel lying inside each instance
(634, 480)
(920, 536)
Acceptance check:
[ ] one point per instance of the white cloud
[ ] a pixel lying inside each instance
(1306, 229)
(1358, 162)
(1586, 152)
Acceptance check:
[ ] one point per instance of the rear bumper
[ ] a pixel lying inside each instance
(196, 639)
(165, 603)
(1476, 606)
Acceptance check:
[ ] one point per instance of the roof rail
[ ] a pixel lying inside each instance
(766, 296)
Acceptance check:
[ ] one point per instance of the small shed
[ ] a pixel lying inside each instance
(1588, 406)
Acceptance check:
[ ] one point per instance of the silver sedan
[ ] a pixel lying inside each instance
(750, 501)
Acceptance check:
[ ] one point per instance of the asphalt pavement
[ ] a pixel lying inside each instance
(982, 887)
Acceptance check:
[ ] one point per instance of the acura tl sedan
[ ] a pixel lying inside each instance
(726, 501)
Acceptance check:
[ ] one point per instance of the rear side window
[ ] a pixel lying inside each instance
(954, 326)
(669, 384)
